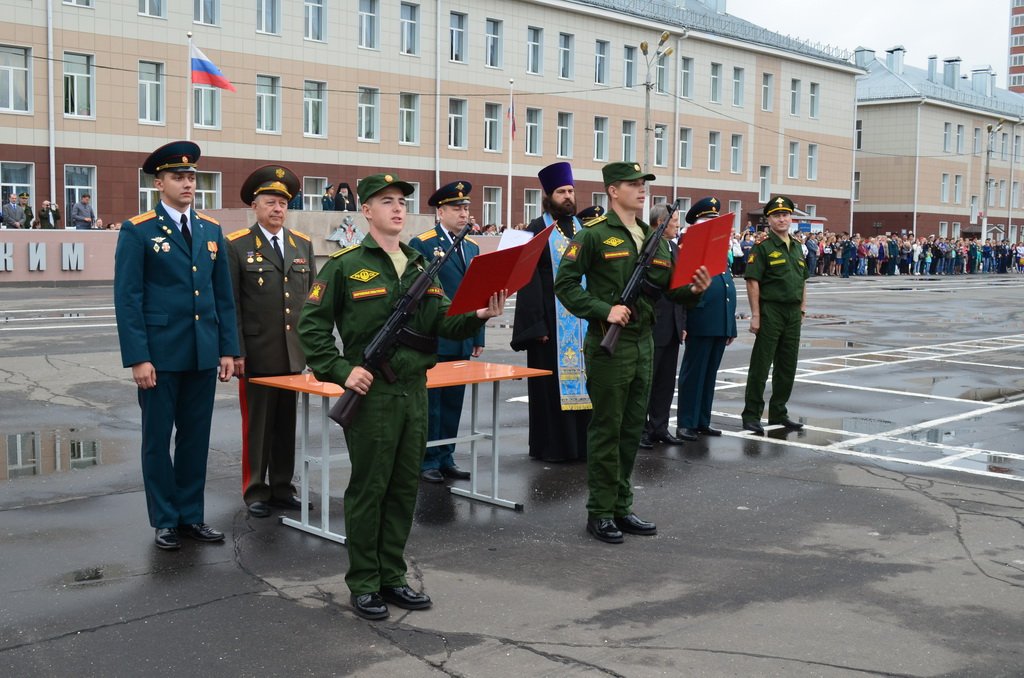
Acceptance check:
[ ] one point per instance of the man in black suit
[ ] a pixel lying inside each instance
(669, 330)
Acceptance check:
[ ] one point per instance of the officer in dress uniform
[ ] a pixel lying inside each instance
(355, 292)
(710, 327)
(176, 325)
(605, 251)
(776, 289)
(445, 404)
(272, 268)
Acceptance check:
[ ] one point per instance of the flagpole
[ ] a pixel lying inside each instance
(188, 91)
(511, 118)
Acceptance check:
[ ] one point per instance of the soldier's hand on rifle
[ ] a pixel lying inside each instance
(359, 380)
(701, 280)
(495, 306)
(619, 315)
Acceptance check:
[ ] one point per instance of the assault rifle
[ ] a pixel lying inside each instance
(637, 280)
(378, 352)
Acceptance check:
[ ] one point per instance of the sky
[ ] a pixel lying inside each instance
(977, 31)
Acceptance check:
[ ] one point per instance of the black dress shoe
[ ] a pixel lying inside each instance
(666, 438)
(290, 503)
(754, 427)
(604, 529)
(167, 539)
(201, 532)
(405, 598)
(708, 431)
(259, 509)
(432, 475)
(633, 524)
(645, 443)
(454, 472)
(788, 423)
(686, 434)
(370, 606)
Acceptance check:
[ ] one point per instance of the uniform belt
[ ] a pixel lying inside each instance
(417, 341)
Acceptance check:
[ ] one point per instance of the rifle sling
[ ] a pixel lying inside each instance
(417, 341)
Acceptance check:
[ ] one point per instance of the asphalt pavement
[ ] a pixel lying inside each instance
(887, 538)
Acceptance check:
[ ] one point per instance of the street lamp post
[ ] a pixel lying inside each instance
(651, 60)
(988, 179)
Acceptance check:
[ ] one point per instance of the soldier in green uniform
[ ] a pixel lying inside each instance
(775, 277)
(355, 292)
(272, 268)
(605, 251)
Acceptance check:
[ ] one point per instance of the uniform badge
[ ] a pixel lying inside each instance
(166, 247)
(279, 173)
(434, 291)
(298, 261)
(291, 242)
(615, 254)
(364, 275)
(438, 252)
(369, 293)
(750, 259)
(662, 263)
(775, 255)
(613, 241)
(249, 258)
(156, 248)
(259, 281)
(259, 258)
(316, 292)
(211, 245)
(572, 252)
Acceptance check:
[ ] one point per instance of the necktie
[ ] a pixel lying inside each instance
(187, 234)
(277, 247)
(458, 249)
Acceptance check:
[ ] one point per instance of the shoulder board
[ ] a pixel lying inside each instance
(342, 251)
(468, 239)
(143, 217)
(300, 234)
(237, 234)
(593, 222)
(207, 218)
(426, 235)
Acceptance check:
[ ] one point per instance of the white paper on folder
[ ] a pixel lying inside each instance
(514, 238)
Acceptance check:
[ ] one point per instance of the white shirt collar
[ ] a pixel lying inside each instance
(175, 215)
(268, 235)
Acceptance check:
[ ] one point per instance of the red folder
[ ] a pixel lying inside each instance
(705, 244)
(508, 269)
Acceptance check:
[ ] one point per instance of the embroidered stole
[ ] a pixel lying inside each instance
(569, 332)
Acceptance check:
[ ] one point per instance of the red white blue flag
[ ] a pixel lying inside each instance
(205, 73)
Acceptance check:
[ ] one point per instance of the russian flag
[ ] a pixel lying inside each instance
(205, 73)
(512, 118)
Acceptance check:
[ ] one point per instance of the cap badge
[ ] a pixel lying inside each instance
(184, 158)
(458, 187)
(388, 178)
(636, 168)
(279, 173)
(714, 202)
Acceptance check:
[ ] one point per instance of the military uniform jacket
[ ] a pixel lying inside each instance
(356, 291)
(715, 314)
(604, 251)
(174, 308)
(431, 245)
(779, 270)
(269, 295)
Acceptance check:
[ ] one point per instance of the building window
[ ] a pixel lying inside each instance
(716, 83)
(629, 140)
(961, 139)
(533, 131)
(1014, 194)
(958, 188)
(534, 50)
(661, 74)
(412, 201)
(206, 106)
(814, 105)
(767, 92)
(736, 208)
(1002, 192)
(78, 92)
(268, 102)
(601, 62)
(1004, 146)
(314, 19)
(531, 204)
(369, 34)
(793, 166)
(16, 177)
(563, 140)
(14, 78)
(205, 12)
(457, 37)
(660, 145)
(492, 44)
(628, 66)
(686, 81)
(685, 148)
(457, 137)
(410, 28)
(314, 108)
(738, 77)
(947, 137)
(600, 200)
(153, 8)
(492, 205)
(794, 97)
(976, 144)
(812, 162)
(974, 209)
(714, 151)
(151, 92)
(79, 3)
(565, 56)
(856, 186)
(944, 188)
(492, 127)
(207, 191)
(313, 189)
(736, 154)
(268, 16)
(408, 118)
(80, 180)
(943, 229)
(858, 134)
(764, 184)
(368, 114)
(1016, 147)
(148, 195)
(601, 139)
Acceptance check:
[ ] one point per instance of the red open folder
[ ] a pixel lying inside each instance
(705, 244)
(508, 269)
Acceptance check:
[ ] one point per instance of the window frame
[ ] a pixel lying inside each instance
(309, 106)
(534, 50)
(564, 134)
(89, 78)
(271, 8)
(408, 118)
(268, 103)
(458, 124)
(533, 142)
(409, 29)
(493, 43)
(368, 25)
(146, 92)
(457, 37)
(368, 114)
(493, 127)
(310, 25)
(601, 145)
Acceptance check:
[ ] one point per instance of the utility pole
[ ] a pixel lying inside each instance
(988, 179)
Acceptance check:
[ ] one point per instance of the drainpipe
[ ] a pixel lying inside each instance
(51, 118)
(437, 96)
(917, 163)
